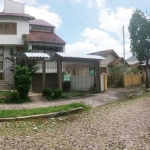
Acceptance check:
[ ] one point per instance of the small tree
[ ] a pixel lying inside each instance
(23, 80)
(139, 29)
(21, 60)
(115, 75)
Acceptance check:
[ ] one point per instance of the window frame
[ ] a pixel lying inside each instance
(12, 28)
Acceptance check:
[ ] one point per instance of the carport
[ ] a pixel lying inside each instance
(65, 57)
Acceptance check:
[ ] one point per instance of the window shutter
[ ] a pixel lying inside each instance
(6, 28)
(1, 28)
(13, 28)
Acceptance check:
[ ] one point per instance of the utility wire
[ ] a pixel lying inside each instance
(118, 13)
(78, 18)
(75, 14)
(115, 12)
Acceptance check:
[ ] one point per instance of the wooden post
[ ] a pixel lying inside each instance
(105, 81)
(43, 74)
(14, 71)
(59, 74)
(97, 76)
(124, 79)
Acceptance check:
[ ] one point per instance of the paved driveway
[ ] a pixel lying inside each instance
(121, 126)
(95, 100)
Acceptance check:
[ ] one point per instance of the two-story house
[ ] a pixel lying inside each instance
(15, 23)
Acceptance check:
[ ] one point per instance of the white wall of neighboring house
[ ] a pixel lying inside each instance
(105, 62)
(110, 58)
(22, 28)
(13, 7)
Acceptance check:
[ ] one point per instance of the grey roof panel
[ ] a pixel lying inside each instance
(68, 55)
(37, 55)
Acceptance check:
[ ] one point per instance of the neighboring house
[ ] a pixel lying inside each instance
(15, 24)
(111, 60)
(135, 63)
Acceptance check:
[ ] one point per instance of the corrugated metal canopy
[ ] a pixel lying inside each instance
(67, 55)
(37, 55)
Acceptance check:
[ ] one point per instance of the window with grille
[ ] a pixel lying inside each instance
(8, 28)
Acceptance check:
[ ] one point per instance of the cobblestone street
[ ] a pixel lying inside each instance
(117, 126)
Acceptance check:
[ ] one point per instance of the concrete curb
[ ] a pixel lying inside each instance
(50, 115)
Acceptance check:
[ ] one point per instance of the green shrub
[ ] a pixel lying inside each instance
(57, 93)
(15, 97)
(47, 92)
(23, 80)
(119, 81)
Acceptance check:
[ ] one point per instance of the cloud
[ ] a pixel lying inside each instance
(1, 6)
(43, 12)
(90, 3)
(96, 40)
(75, 1)
(109, 35)
(39, 11)
(122, 17)
(27, 2)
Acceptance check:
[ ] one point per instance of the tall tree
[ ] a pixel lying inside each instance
(139, 29)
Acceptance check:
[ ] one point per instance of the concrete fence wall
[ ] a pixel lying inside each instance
(86, 82)
(132, 79)
(81, 83)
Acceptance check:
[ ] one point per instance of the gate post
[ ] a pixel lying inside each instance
(59, 74)
(14, 72)
(43, 74)
(97, 76)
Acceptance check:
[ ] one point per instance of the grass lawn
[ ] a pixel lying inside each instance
(36, 111)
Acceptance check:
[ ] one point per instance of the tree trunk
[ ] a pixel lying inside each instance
(147, 74)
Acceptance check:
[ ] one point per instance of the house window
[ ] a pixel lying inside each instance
(8, 28)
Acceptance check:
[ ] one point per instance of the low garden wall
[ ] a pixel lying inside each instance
(131, 79)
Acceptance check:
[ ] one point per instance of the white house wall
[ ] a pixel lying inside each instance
(22, 28)
(13, 7)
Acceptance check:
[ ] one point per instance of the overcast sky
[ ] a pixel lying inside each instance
(100, 25)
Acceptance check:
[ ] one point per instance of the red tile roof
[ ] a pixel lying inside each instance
(40, 22)
(44, 37)
(2, 14)
(113, 63)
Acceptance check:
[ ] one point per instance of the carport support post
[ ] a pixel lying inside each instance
(43, 74)
(59, 74)
(97, 76)
(14, 72)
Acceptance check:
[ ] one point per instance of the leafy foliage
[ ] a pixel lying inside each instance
(23, 80)
(15, 97)
(47, 92)
(115, 75)
(57, 93)
(132, 70)
(20, 58)
(139, 29)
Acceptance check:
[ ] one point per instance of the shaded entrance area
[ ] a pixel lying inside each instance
(71, 61)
